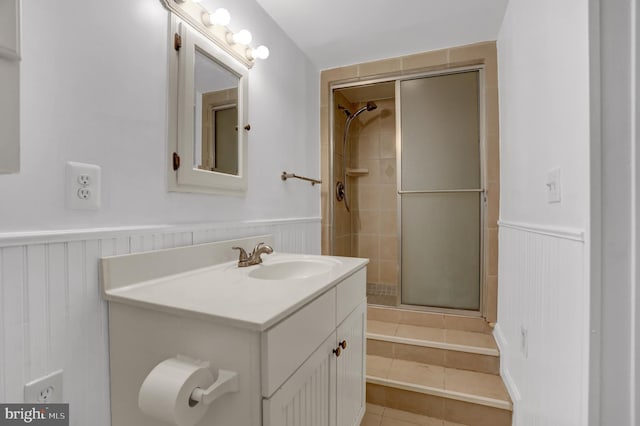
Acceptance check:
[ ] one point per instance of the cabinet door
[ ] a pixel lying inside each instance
(307, 398)
(351, 374)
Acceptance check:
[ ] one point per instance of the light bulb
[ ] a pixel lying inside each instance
(220, 17)
(241, 37)
(260, 52)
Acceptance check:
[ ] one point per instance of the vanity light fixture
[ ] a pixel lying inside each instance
(260, 52)
(241, 37)
(213, 25)
(220, 17)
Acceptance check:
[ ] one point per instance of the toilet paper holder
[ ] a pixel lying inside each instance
(226, 382)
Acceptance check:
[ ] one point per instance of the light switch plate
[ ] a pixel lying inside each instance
(553, 186)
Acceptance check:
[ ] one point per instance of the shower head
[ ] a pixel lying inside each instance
(370, 106)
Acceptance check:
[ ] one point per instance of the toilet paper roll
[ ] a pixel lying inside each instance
(165, 393)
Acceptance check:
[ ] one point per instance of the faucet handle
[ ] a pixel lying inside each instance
(243, 254)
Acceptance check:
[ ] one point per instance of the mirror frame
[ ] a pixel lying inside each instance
(187, 177)
(10, 86)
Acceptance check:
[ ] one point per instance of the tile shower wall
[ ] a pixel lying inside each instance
(52, 315)
(374, 218)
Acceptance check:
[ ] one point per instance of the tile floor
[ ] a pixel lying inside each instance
(377, 415)
(441, 335)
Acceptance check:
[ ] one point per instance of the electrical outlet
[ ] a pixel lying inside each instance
(83, 186)
(45, 390)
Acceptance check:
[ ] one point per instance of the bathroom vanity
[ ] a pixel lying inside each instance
(292, 328)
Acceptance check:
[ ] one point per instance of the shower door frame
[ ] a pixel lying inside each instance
(397, 78)
(482, 191)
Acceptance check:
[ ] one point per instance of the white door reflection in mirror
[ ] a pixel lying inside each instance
(216, 118)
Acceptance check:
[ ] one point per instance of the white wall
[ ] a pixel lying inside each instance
(94, 89)
(543, 58)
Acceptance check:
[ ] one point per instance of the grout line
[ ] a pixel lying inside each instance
(443, 393)
(433, 344)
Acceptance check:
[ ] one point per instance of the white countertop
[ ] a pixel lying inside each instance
(227, 294)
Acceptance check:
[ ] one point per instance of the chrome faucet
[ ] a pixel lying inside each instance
(254, 258)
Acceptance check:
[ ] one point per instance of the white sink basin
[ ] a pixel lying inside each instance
(292, 269)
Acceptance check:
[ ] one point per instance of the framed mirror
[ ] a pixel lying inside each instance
(209, 111)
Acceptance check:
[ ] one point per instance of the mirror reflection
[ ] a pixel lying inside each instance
(216, 116)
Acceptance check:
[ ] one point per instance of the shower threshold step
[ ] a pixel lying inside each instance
(388, 379)
(447, 332)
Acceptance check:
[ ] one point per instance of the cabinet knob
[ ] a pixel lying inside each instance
(343, 344)
(337, 351)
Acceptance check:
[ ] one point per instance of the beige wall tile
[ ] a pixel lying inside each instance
(481, 384)
(339, 74)
(387, 144)
(379, 366)
(477, 53)
(493, 158)
(388, 170)
(383, 314)
(380, 348)
(492, 298)
(373, 175)
(461, 337)
(389, 248)
(415, 372)
(425, 60)
(381, 327)
(474, 414)
(493, 204)
(419, 354)
(426, 319)
(385, 66)
(374, 409)
(406, 418)
(368, 197)
(367, 246)
(457, 322)
(389, 272)
(373, 270)
(413, 402)
(371, 419)
(389, 222)
(326, 240)
(474, 362)
(492, 245)
(368, 146)
(388, 197)
(367, 222)
(420, 333)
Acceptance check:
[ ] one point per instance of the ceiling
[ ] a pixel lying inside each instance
(335, 33)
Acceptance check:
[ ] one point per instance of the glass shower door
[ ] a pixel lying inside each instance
(440, 189)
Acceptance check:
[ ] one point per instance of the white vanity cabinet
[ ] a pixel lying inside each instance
(329, 387)
(281, 337)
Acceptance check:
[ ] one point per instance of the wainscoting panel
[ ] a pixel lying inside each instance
(52, 315)
(543, 323)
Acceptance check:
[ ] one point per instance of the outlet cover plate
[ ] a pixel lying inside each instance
(83, 186)
(51, 385)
